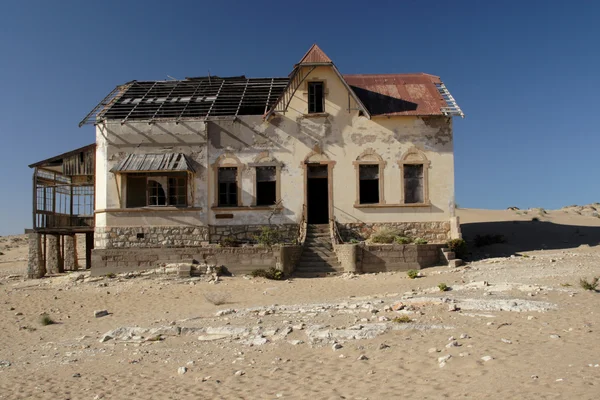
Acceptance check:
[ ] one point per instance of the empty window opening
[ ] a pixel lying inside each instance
(156, 190)
(266, 186)
(315, 97)
(228, 187)
(413, 183)
(368, 184)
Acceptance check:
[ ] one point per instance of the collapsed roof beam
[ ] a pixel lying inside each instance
(242, 98)
(140, 102)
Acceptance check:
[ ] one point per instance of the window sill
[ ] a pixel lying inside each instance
(245, 208)
(428, 204)
(148, 209)
(316, 115)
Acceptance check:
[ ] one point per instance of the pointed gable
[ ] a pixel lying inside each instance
(315, 55)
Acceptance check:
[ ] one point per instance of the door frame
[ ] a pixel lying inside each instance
(318, 158)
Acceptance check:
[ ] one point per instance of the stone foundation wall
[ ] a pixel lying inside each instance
(146, 236)
(247, 233)
(398, 257)
(433, 232)
(238, 260)
(182, 236)
(392, 257)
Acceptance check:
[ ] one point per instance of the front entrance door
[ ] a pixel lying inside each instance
(317, 194)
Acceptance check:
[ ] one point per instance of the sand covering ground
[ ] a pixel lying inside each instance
(521, 327)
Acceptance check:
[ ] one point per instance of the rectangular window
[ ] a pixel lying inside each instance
(368, 184)
(266, 186)
(413, 183)
(228, 187)
(156, 190)
(316, 99)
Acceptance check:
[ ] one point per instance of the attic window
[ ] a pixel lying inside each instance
(316, 99)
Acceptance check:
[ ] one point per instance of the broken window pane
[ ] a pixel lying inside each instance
(413, 183)
(156, 193)
(136, 191)
(266, 186)
(368, 184)
(315, 97)
(227, 196)
(156, 190)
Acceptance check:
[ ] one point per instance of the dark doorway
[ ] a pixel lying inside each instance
(317, 194)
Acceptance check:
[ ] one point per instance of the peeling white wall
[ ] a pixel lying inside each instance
(342, 136)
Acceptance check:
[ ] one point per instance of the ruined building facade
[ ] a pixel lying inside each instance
(187, 164)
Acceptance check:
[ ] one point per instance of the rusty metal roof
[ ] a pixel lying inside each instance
(402, 94)
(315, 55)
(154, 163)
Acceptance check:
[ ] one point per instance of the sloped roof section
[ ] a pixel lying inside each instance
(402, 94)
(200, 98)
(315, 55)
(154, 163)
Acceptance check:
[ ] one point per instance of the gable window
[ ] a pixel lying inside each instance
(414, 168)
(228, 187)
(316, 99)
(368, 184)
(266, 186)
(156, 190)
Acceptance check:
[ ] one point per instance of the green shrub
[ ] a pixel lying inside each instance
(591, 285)
(229, 242)
(412, 273)
(405, 319)
(267, 236)
(46, 320)
(458, 247)
(402, 240)
(354, 241)
(486, 240)
(443, 287)
(271, 273)
(111, 275)
(384, 235)
(420, 241)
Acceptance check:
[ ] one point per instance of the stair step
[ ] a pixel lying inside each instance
(317, 264)
(317, 257)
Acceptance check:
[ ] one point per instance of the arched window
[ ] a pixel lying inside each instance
(228, 176)
(267, 180)
(369, 168)
(414, 172)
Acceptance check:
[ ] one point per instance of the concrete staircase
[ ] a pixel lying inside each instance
(318, 257)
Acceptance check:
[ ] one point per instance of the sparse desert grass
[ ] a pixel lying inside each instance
(443, 287)
(420, 241)
(404, 319)
(271, 273)
(216, 298)
(590, 285)
(384, 235)
(412, 273)
(402, 240)
(46, 320)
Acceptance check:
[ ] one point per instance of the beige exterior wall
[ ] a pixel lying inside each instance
(340, 135)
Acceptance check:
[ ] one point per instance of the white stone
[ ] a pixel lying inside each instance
(181, 370)
(240, 373)
(487, 358)
(362, 357)
(336, 346)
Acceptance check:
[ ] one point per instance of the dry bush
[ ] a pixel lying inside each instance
(591, 285)
(384, 235)
(216, 298)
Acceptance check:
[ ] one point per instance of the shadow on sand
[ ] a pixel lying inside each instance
(522, 236)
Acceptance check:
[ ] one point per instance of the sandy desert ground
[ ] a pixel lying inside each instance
(515, 324)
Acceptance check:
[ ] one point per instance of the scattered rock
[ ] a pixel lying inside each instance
(4, 363)
(100, 313)
(465, 336)
(383, 346)
(507, 341)
(453, 343)
(433, 350)
(362, 357)
(106, 338)
(296, 342)
(554, 336)
(336, 346)
(487, 358)
(182, 370)
(226, 311)
(240, 372)
(77, 375)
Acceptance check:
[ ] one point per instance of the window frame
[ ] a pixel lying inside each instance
(414, 157)
(158, 177)
(310, 85)
(264, 160)
(228, 192)
(226, 160)
(369, 157)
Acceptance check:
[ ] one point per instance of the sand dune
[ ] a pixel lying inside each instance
(518, 306)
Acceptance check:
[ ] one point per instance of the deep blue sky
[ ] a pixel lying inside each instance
(524, 72)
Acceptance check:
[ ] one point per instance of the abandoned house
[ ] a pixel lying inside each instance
(182, 170)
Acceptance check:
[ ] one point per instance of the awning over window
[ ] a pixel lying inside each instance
(154, 163)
